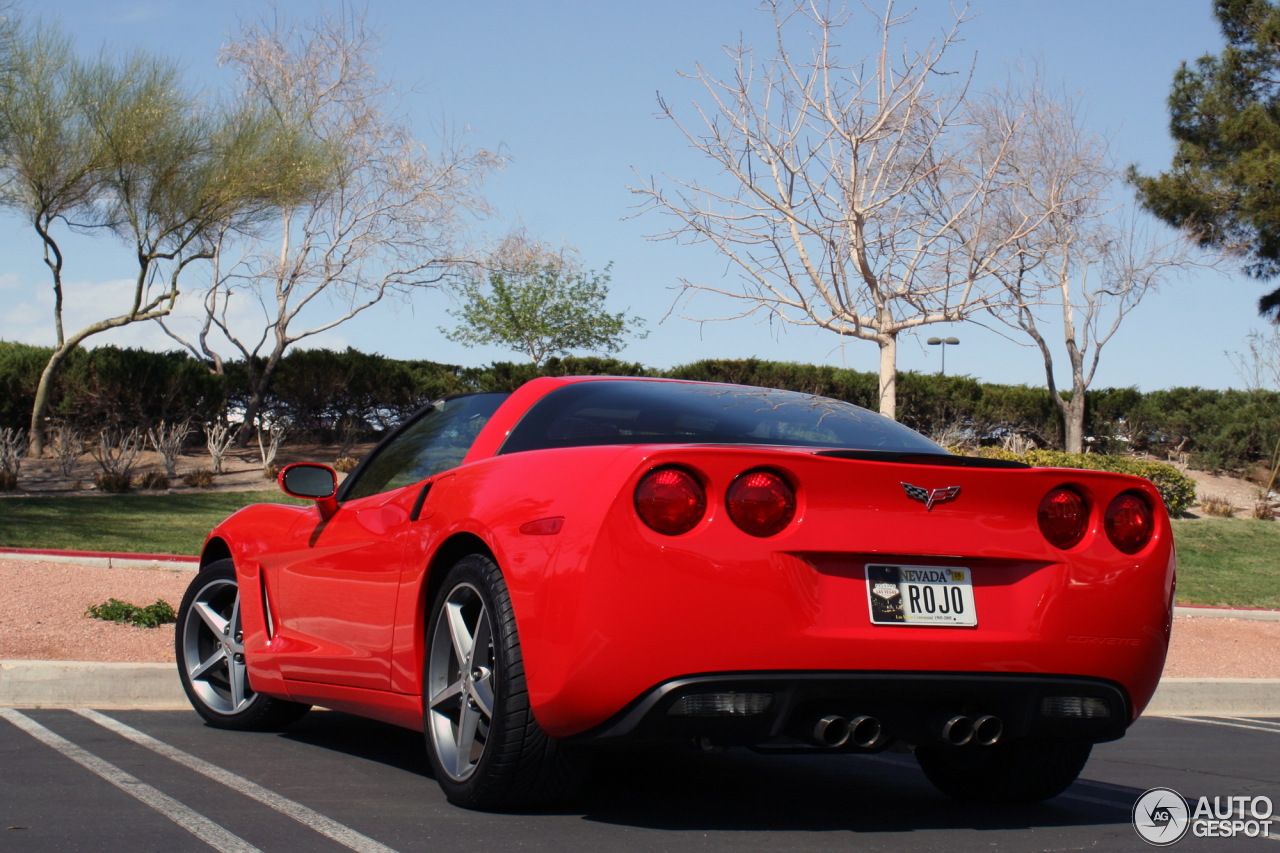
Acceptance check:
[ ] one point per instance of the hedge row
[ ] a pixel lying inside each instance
(1177, 489)
(320, 391)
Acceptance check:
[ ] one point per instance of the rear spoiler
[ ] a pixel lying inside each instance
(945, 460)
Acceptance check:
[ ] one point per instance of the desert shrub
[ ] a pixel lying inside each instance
(201, 478)
(1263, 510)
(345, 464)
(13, 447)
(113, 482)
(116, 452)
(271, 472)
(153, 480)
(1176, 489)
(1216, 506)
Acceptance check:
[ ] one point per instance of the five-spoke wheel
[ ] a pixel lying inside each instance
(486, 749)
(460, 672)
(211, 656)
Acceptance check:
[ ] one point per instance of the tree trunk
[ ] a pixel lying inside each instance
(1073, 421)
(44, 390)
(889, 375)
(257, 397)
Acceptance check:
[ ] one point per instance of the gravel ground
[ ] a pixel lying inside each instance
(42, 617)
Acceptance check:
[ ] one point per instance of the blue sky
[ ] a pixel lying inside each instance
(568, 89)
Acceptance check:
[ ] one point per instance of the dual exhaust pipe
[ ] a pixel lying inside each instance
(983, 731)
(834, 731)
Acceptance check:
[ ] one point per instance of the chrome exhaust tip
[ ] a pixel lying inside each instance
(958, 730)
(864, 731)
(987, 730)
(832, 730)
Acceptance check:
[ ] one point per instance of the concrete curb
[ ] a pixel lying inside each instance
(1227, 613)
(71, 684)
(1218, 697)
(104, 559)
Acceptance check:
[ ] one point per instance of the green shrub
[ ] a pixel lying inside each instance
(1176, 489)
(151, 616)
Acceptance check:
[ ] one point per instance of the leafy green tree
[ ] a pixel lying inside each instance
(123, 148)
(1224, 116)
(541, 308)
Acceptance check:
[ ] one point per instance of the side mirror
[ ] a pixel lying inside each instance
(310, 480)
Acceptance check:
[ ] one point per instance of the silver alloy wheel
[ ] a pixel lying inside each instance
(460, 681)
(213, 648)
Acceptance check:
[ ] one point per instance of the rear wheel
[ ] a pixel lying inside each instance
(486, 749)
(211, 661)
(1013, 772)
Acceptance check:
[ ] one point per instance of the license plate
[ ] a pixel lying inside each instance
(921, 595)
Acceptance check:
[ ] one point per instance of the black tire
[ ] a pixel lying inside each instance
(210, 654)
(1015, 772)
(485, 747)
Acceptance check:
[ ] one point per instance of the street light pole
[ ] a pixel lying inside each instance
(943, 342)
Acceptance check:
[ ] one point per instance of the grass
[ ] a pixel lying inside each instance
(138, 524)
(1221, 561)
(1232, 562)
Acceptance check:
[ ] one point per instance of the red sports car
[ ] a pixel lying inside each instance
(598, 560)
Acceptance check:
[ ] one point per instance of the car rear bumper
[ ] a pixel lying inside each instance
(870, 711)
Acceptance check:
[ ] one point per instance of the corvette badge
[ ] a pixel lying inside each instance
(929, 497)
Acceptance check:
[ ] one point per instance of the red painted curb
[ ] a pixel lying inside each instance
(1224, 607)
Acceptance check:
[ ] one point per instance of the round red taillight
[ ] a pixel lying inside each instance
(1063, 517)
(761, 503)
(670, 500)
(1129, 522)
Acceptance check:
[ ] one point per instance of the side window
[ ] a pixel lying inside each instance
(435, 441)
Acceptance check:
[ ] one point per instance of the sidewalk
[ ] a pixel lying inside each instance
(66, 684)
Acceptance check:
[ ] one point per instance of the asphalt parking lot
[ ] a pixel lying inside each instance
(81, 779)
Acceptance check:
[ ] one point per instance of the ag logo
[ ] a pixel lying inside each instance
(929, 497)
(1160, 817)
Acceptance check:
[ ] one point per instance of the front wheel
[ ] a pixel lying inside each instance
(1015, 772)
(210, 653)
(486, 749)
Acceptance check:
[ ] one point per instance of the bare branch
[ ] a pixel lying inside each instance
(865, 198)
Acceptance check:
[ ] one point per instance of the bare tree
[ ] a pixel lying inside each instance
(219, 437)
(1092, 261)
(168, 440)
(861, 198)
(388, 219)
(1259, 369)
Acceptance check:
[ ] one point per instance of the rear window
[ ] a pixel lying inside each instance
(642, 412)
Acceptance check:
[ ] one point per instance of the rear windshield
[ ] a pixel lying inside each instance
(641, 412)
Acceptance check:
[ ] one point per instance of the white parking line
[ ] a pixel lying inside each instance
(1229, 723)
(340, 833)
(1271, 724)
(197, 824)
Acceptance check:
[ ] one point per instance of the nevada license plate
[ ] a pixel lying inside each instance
(920, 595)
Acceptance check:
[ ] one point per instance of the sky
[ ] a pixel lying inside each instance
(568, 90)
